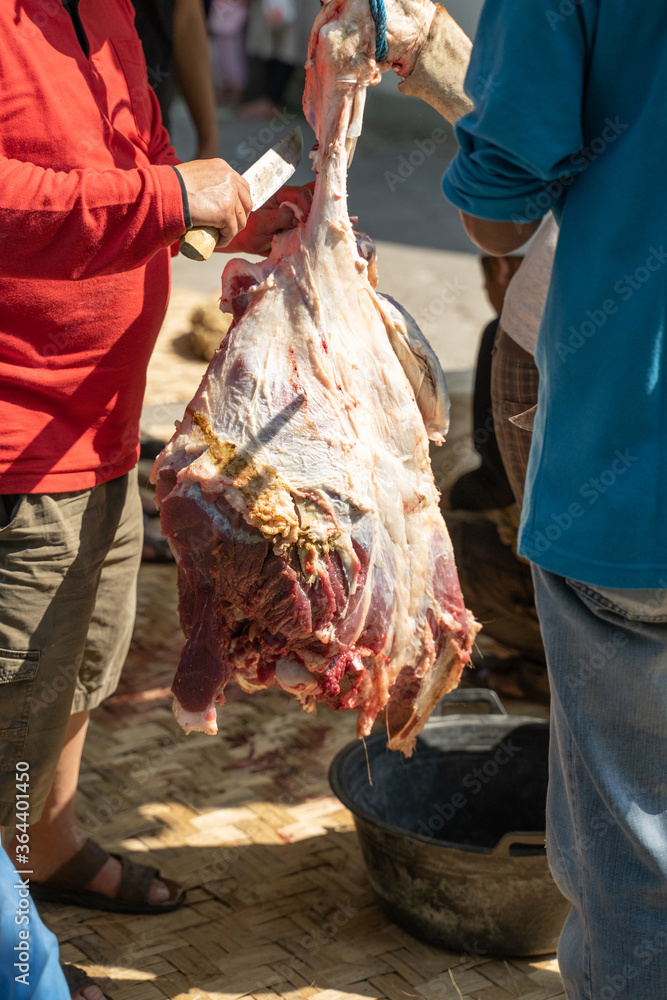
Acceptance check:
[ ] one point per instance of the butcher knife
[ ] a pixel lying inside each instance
(266, 176)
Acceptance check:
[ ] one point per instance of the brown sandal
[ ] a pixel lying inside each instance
(78, 980)
(67, 884)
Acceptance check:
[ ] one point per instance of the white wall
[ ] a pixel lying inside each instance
(466, 12)
(409, 111)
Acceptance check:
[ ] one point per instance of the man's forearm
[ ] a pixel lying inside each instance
(440, 70)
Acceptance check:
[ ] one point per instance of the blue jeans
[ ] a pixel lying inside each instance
(29, 966)
(607, 802)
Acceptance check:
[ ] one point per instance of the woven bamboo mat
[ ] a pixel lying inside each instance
(279, 905)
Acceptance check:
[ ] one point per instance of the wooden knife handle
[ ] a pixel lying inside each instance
(199, 243)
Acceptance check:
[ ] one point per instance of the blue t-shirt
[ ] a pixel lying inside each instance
(571, 114)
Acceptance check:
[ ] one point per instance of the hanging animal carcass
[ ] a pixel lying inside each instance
(297, 491)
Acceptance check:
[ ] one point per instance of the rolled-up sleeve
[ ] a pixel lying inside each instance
(520, 147)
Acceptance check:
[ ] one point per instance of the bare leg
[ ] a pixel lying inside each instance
(56, 837)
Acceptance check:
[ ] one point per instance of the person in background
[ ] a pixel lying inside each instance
(175, 42)
(482, 518)
(511, 391)
(514, 375)
(227, 22)
(277, 38)
(487, 486)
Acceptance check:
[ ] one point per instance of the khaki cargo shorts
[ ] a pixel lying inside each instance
(68, 570)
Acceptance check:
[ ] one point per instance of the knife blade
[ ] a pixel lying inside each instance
(266, 176)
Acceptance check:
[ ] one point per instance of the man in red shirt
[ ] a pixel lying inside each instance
(90, 205)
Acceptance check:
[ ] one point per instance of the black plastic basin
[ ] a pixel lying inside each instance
(453, 837)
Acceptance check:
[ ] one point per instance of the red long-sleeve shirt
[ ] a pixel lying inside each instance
(89, 206)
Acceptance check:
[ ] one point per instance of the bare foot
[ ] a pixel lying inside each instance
(77, 979)
(89, 993)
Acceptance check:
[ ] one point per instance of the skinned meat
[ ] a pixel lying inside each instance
(297, 492)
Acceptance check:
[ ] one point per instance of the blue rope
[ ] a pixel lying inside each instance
(380, 18)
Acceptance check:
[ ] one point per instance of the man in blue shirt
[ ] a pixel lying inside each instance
(569, 115)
